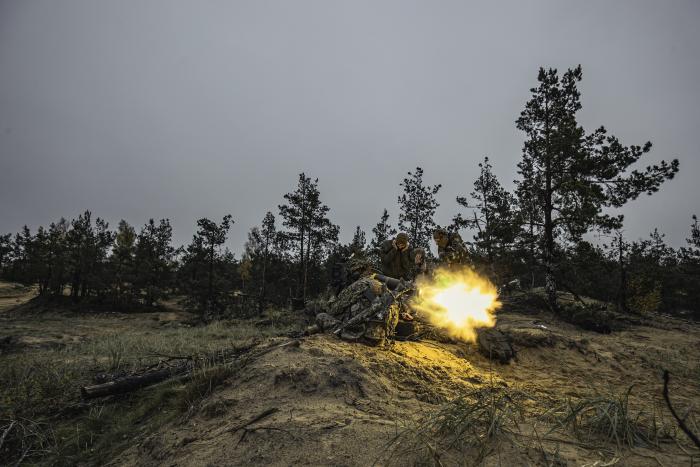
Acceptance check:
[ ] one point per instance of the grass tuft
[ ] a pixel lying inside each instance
(610, 419)
(467, 424)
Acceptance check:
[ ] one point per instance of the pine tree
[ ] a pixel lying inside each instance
(38, 259)
(383, 231)
(268, 235)
(493, 212)
(694, 239)
(617, 252)
(310, 231)
(154, 260)
(88, 247)
(206, 270)
(58, 256)
(359, 242)
(122, 260)
(689, 269)
(417, 206)
(264, 266)
(21, 248)
(5, 252)
(571, 176)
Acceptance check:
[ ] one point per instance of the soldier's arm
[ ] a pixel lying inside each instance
(388, 252)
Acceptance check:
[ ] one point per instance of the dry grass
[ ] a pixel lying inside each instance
(611, 419)
(42, 418)
(467, 427)
(491, 420)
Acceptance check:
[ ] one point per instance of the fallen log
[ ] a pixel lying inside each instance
(131, 383)
(124, 384)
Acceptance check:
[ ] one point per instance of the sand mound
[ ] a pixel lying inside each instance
(321, 401)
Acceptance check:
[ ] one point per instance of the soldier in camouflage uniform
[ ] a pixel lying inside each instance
(451, 248)
(397, 257)
(364, 311)
(348, 271)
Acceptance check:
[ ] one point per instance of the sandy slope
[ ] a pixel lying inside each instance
(321, 401)
(338, 403)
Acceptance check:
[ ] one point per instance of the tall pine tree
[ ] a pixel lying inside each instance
(493, 214)
(417, 206)
(382, 231)
(206, 270)
(310, 232)
(122, 260)
(359, 242)
(154, 260)
(571, 177)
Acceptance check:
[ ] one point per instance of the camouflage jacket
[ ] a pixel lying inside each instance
(395, 263)
(455, 252)
(365, 310)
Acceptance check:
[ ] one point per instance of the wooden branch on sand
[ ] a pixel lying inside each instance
(131, 383)
(681, 422)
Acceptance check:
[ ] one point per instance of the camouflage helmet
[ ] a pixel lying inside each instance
(439, 232)
(402, 237)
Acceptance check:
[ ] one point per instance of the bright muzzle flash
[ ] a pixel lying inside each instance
(459, 301)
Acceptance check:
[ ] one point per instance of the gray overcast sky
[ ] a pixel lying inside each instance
(185, 109)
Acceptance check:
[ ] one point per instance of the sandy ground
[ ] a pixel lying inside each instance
(320, 401)
(343, 404)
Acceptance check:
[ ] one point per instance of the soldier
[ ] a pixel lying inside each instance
(397, 257)
(451, 248)
(364, 311)
(348, 271)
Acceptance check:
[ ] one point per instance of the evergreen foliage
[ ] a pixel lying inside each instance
(494, 218)
(569, 178)
(359, 242)
(382, 231)
(310, 232)
(207, 274)
(569, 181)
(417, 206)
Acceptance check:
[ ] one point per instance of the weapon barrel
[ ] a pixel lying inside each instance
(390, 282)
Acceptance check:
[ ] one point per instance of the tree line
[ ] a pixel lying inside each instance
(569, 181)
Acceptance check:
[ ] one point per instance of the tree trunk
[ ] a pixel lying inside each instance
(622, 292)
(263, 287)
(306, 264)
(210, 284)
(550, 282)
(550, 285)
(302, 265)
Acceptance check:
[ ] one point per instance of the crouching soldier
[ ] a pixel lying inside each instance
(397, 257)
(364, 311)
(451, 248)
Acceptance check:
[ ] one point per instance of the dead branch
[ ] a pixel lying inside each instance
(242, 426)
(7, 430)
(131, 383)
(681, 422)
